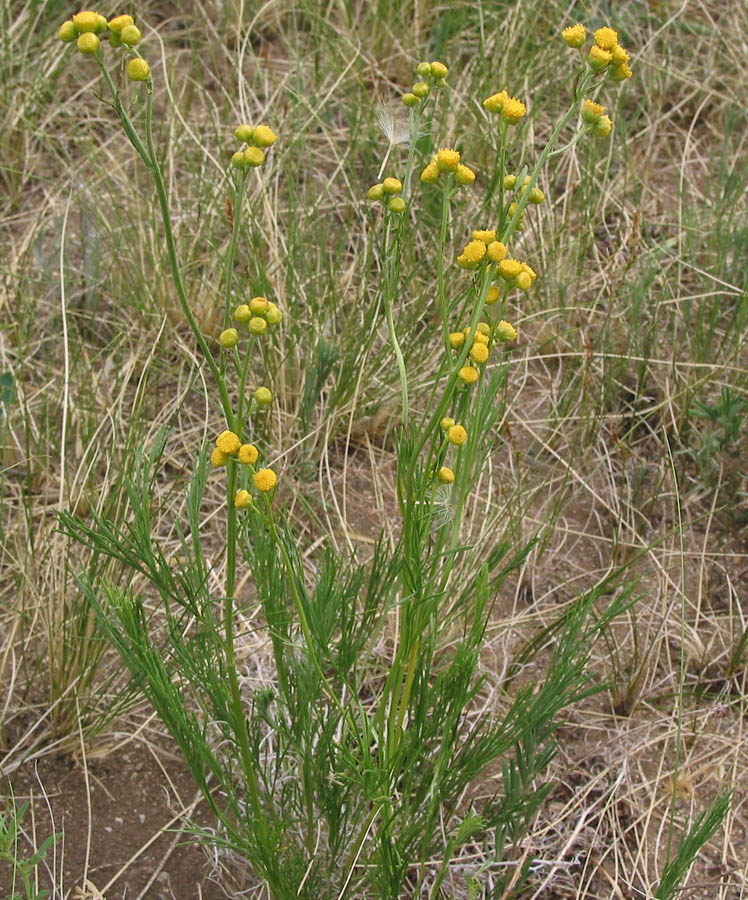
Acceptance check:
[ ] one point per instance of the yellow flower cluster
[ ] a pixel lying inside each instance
(228, 445)
(593, 114)
(484, 248)
(536, 195)
(85, 27)
(388, 191)
(432, 75)
(258, 138)
(606, 54)
(447, 162)
(510, 108)
(258, 314)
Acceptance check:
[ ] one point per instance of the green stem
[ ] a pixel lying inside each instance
(446, 196)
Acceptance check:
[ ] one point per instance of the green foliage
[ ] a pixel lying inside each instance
(23, 869)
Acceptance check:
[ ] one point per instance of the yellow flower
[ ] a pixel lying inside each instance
(447, 160)
(86, 22)
(523, 281)
(464, 175)
(257, 325)
(536, 195)
(396, 204)
(493, 295)
(243, 499)
(423, 69)
(575, 35)
(242, 313)
(467, 375)
(138, 70)
(456, 434)
(265, 480)
(229, 338)
(410, 99)
(446, 423)
(439, 70)
(603, 127)
(510, 182)
(130, 35)
(505, 332)
(430, 174)
(421, 89)
(446, 475)
(248, 454)
(591, 112)
(598, 58)
(273, 315)
(258, 305)
(620, 72)
(619, 55)
(263, 396)
(479, 353)
(254, 157)
(495, 102)
(606, 38)
(116, 24)
(496, 251)
(509, 268)
(513, 110)
(68, 32)
(263, 136)
(530, 271)
(456, 340)
(486, 236)
(228, 442)
(472, 254)
(392, 185)
(480, 338)
(237, 159)
(218, 457)
(482, 328)
(88, 43)
(244, 133)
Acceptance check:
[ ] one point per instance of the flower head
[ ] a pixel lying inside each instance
(523, 281)
(218, 458)
(257, 325)
(496, 251)
(138, 70)
(599, 59)
(243, 499)
(68, 32)
(430, 174)
(471, 255)
(410, 99)
(456, 435)
(591, 112)
(248, 454)
(505, 332)
(264, 136)
(263, 396)
(479, 353)
(88, 43)
(493, 295)
(116, 24)
(130, 35)
(446, 423)
(392, 186)
(86, 22)
(242, 313)
(603, 127)
(244, 133)
(620, 72)
(447, 160)
(254, 157)
(228, 442)
(446, 475)
(495, 102)
(467, 375)
(486, 236)
(396, 205)
(229, 338)
(421, 89)
(265, 480)
(456, 340)
(464, 175)
(574, 35)
(439, 70)
(513, 110)
(258, 305)
(509, 268)
(606, 38)
(273, 315)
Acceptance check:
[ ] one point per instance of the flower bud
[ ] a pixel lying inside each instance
(264, 136)
(493, 295)
(68, 32)
(591, 112)
(410, 100)
(575, 35)
(505, 332)
(456, 340)
(257, 325)
(88, 43)
(101, 23)
(495, 102)
(467, 375)
(430, 174)
(116, 24)
(446, 423)
(244, 133)
(421, 89)
(273, 315)
(242, 313)
(86, 22)
(396, 205)
(457, 435)
(446, 475)
(464, 175)
(439, 70)
(263, 396)
(598, 58)
(254, 157)
(243, 499)
(620, 72)
(130, 35)
(229, 338)
(602, 127)
(375, 192)
(237, 159)
(423, 69)
(258, 305)
(523, 281)
(510, 182)
(218, 458)
(392, 185)
(138, 70)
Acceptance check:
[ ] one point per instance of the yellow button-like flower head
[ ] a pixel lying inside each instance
(409, 99)
(602, 127)
(537, 196)
(446, 423)
(523, 281)
(421, 90)
(264, 136)
(606, 38)
(439, 70)
(529, 269)
(265, 479)
(472, 254)
(257, 325)
(495, 102)
(509, 268)
(242, 313)
(575, 35)
(243, 500)
(116, 24)
(479, 353)
(258, 305)
(248, 454)
(487, 235)
(218, 458)
(591, 112)
(396, 204)
(446, 475)
(513, 110)
(506, 332)
(273, 315)
(138, 70)
(496, 251)
(620, 72)
(392, 186)
(264, 396)
(86, 22)
(493, 295)
(229, 338)
(228, 442)
(68, 32)
(456, 340)
(244, 133)
(457, 435)
(467, 375)
(254, 156)
(620, 55)
(599, 59)
(430, 174)
(510, 182)
(464, 175)
(88, 43)
(447, 160)
(130, 35)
